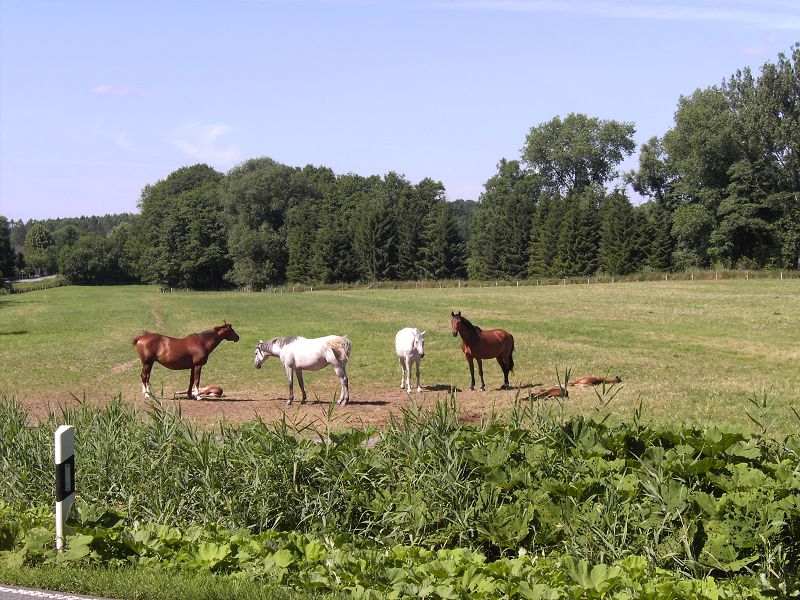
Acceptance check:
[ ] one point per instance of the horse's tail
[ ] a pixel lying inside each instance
(136, 339)
(511, 354)
(340, 347)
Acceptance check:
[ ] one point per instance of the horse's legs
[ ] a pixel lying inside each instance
(194, 382)
(290, 377)
(504, 365)
(402, 371)
(471, 374)
(302, 388)
(407, 368)
(419, 389)
(146, 368)
(480, 372)
(345, 384)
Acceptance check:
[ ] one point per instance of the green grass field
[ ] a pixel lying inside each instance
(698, 351)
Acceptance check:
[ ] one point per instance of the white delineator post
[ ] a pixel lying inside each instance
(65, 478)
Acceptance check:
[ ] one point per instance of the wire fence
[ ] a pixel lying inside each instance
(19, 288)
(531, 282)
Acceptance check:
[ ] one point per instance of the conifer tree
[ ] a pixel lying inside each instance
(443, 250)
(617, 235)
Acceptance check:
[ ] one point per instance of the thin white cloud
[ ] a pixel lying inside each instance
(107, 89)
(769, 14)
(202, 142)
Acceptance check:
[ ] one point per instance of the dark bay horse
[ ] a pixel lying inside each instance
(477, 344)
(190, 352)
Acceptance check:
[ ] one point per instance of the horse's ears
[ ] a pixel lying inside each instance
(224, 322)
(421, 333)
(458, 314)
(452, 314)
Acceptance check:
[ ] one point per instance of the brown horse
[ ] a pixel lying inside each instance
(477, 344)
(553, 392)
(587, 381)
(190, 352)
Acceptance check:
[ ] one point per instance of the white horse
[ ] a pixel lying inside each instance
(300, 354)
(409, 343)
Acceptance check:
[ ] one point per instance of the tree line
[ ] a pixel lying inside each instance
(720, 188)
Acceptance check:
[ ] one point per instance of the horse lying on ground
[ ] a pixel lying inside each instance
(190, 352)
(300, 354)
(208, 391)
(409, 344)
(553, 392)
(587, 381)
(477, 344)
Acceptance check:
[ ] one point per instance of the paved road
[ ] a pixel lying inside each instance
(10, 592)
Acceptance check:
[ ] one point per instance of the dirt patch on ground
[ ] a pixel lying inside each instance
(375, 408)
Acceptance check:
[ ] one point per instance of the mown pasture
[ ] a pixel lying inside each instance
(696, 351)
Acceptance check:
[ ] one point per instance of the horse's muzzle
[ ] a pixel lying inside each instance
(455, 333)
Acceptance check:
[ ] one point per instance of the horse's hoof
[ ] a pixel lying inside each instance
(419, 389)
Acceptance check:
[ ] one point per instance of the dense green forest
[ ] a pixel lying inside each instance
(721, 189)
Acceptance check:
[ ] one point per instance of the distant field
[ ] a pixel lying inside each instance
(697, 351)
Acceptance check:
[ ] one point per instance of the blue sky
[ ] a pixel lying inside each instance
(99, 98)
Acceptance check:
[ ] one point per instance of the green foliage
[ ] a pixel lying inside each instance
(183, 230)
(40, 252)
(500, 231)
(8, 256)
(617, 239)
(578, 152)
(572, 504)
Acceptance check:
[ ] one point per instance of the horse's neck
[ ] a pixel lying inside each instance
(211, 339)
(469, 334)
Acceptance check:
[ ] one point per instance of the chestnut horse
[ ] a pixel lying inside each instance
(190, 352)
(478, 344)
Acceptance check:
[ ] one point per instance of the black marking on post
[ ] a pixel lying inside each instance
(65, 479)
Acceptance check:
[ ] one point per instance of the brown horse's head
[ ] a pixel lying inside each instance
(226, 332)
(455, 322)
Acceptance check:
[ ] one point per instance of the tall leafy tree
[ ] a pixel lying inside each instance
(40, 251)
(90, 259)
(185, 229)
(654, 178)
(691, 227)
(578, 151)
(702, 146)
(258, 196)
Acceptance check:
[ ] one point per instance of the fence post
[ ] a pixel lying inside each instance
(64, 443)
(781, 274)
